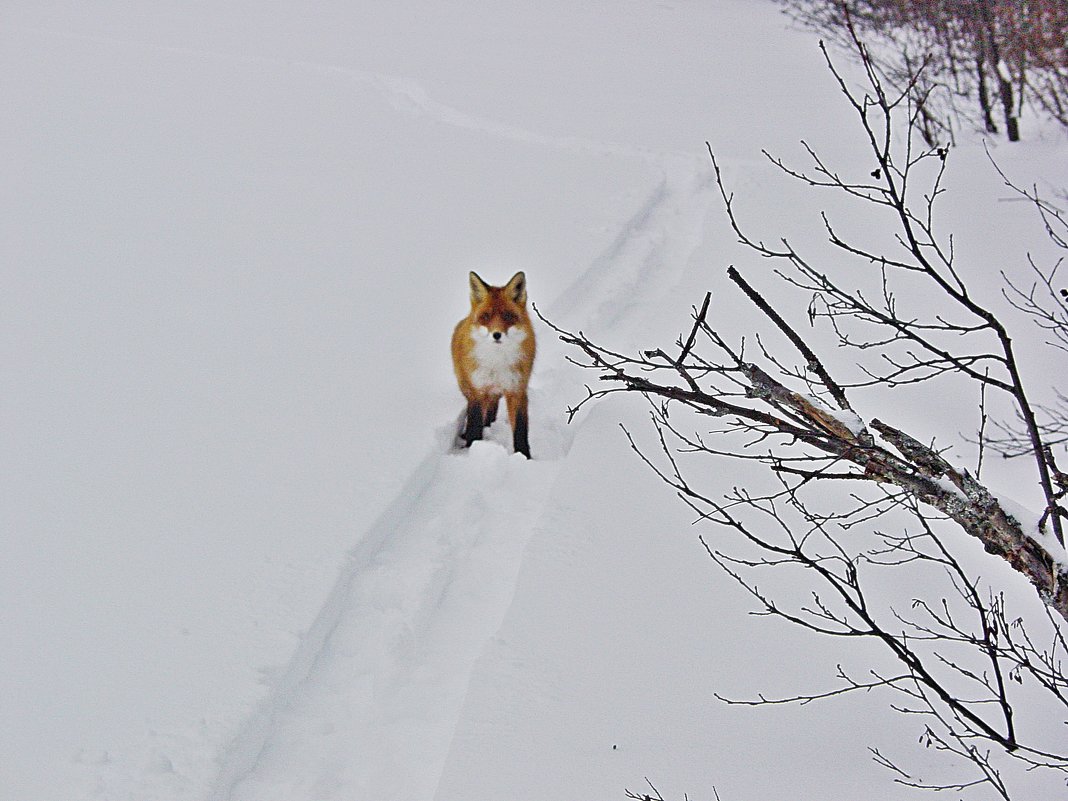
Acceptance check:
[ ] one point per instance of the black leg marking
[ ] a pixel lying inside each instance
(475, 425)
(519, 436)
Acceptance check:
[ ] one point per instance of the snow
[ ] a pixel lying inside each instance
(241, 559)
(847, 417)
(947, 485)
(1029, 520)
(408, 619)
(851, 420)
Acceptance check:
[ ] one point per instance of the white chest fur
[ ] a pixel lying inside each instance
(497, 360)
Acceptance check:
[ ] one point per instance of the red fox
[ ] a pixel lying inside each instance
(493, 354)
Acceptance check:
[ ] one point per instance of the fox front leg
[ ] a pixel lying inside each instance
(475, 423)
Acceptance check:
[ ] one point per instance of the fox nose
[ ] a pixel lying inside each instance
(497, 335)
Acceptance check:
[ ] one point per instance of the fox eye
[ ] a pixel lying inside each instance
(484, 318)
(510, 318)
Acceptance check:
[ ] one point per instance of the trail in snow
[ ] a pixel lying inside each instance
(647, 256)
(410, 97)
(370, 701)
(388, 675)
(368, 704)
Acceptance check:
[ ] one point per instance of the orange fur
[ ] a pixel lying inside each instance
(492, 355)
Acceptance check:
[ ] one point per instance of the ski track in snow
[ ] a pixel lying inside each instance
(369, 701)
(362, 699)
(375, 687)
(647, 256)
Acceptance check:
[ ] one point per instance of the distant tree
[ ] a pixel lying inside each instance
(858, 505)
(1018, 47)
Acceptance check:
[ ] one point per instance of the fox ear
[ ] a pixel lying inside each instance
(517, 288)
(479, 288)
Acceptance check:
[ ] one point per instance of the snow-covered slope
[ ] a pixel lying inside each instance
(241, 560)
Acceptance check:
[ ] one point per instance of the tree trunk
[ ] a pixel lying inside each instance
(1012, 124)
(984, 93)
(1001, 69)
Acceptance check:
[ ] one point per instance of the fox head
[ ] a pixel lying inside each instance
(497, 310)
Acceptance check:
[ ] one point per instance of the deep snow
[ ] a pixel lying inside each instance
(241, 560)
